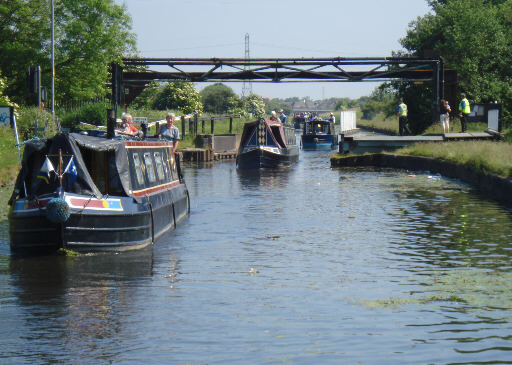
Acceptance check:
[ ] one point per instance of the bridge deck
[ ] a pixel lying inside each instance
(375, 143)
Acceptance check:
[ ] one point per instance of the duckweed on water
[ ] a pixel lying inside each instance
(68, 253)
(476, 288)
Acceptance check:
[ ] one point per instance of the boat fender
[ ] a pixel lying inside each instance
(57, 210)
(315, 140)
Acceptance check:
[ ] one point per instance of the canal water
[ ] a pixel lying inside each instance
(308, 265)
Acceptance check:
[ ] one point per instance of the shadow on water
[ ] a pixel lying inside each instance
(79, 300)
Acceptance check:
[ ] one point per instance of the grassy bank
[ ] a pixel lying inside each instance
(389, 126)
(484, 156)
(9, 161)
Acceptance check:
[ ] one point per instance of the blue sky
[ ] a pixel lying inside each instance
(277, 29)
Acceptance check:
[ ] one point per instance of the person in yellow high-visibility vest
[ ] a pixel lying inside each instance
(401, 111)
(464, 110)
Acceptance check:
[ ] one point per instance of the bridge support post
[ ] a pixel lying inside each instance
(117, 86)
(436, 88)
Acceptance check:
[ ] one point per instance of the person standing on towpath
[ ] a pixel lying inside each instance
(464, 110)
(402, 118)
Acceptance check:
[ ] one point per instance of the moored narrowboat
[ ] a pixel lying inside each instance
(88, 193)
(318, 134)
(267, 144)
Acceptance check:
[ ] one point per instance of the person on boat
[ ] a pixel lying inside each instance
(332, 118)
(273, 116)
(282, 116)
(170, 132)
(133, 129)
(124, 127)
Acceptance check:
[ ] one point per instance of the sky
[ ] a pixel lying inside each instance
(277, 29)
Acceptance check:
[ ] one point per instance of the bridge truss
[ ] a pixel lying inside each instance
(131, 78)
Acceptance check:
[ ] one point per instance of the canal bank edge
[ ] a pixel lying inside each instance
(492, 185)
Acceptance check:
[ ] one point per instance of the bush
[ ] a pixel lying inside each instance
(93, 113)
(26, 123)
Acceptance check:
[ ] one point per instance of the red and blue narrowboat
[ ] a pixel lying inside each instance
(87, 193)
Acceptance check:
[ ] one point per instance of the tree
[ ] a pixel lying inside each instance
(345, 103)
(89, 35)
(382, 100)
(216, 98)
(254, 104)
(236, 106)
(475, 40)
(147, 97)
(275, 105)
(4, 99)
(180, 96)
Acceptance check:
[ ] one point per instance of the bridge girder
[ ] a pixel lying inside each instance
(336, 69)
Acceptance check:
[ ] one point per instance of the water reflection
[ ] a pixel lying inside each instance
(307, 265)
(267, 179)
(79, 300)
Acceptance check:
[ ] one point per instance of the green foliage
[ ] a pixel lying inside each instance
(26, 123)
(254, 104)
(9, 160)
(382, 100)
(419, 105)
(4, 99)
(92, 113)
(236, 106)
(89, 35)
(147, 97)
(180, 96)
(276, 105)
(474, 40)
(345, 104)
(218, 98)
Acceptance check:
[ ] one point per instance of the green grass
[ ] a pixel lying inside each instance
(436, 128)
(483, 156)
(9, 161)
(389, 126)
(379, 124)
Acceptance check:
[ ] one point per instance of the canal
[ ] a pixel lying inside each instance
(308, 265)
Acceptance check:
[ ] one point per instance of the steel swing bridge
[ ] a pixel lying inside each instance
(129, 80)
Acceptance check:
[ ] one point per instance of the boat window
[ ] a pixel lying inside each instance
(114, 181)
(150, 169)
(138, 169)
(167, 164)
(97, 170)
(159, 166)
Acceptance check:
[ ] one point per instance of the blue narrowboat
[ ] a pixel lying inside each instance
(318, 134)
(84, 192)
(267, 144)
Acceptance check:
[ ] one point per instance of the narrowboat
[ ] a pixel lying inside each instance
(318, 135)
(267, 144)
(88, 193)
